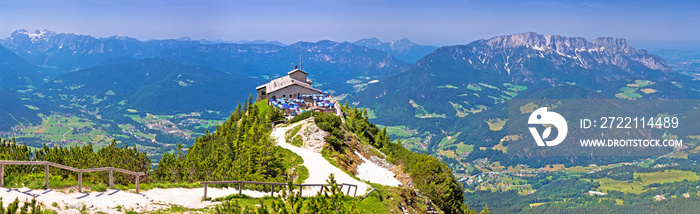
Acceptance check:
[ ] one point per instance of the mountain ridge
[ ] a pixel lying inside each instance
(329, 62)
(15, 111)
(572, 46)
(17, 73)
(153, 85)
(455, 83)
(534, 59)
(403, 49)
(71, 51)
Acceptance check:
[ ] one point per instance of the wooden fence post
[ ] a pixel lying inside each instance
(240, 190)
(348, 189)
(137, 184)
(46, 175)
(80, 181)
(300, 190)
(355, 194)
(80, 172)
(205, 192)
(111, 179)
(272, 190)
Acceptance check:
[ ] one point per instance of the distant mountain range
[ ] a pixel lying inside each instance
(402, 49)
(450, 85)
(534, 59)
(260, 42)
(528, 59)
(69, 52)
(445, 86)
(328, 62)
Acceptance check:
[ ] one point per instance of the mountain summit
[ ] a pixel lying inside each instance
(603, 50)
(539, 60)
(402, 49)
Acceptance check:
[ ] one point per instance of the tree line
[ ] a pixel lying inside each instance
(82, 157)
(239, 149)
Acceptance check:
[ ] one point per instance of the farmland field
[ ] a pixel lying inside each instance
(607, 184)
(65, 129)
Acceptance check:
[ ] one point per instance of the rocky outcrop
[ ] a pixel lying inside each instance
(314, 138)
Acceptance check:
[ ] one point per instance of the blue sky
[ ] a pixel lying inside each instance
(426, 22)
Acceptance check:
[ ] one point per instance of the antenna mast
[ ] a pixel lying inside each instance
(301, 65)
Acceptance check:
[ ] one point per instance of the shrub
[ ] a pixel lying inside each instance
(331, 123)
(99, 187)
(297, 141)
(328, 122)
(300, 117)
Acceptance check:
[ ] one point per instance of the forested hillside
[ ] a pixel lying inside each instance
(431, 176)
(158, 86)
(240, 149)
(17, 73)
(14, 110)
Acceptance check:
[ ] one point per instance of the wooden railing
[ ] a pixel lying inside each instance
(46, 165)
(273, 124)
(272, 186)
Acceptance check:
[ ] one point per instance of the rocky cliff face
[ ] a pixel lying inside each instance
(603, 50)
(534, 59)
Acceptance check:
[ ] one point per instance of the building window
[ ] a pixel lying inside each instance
(283, 96)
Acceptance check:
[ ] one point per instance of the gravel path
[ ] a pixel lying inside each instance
(155, 199)
(319, 168)
(108, 201)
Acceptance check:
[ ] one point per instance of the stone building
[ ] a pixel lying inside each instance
(290, 86)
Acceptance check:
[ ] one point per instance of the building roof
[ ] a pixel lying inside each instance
(296, 70)
(284, 82)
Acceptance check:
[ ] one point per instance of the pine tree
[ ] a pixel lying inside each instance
(485, 210)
